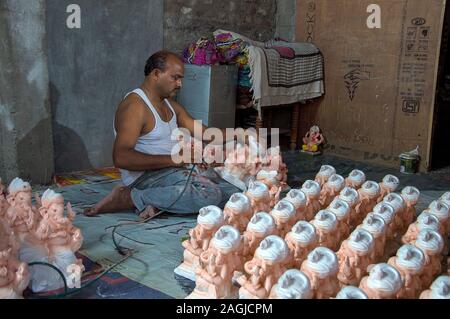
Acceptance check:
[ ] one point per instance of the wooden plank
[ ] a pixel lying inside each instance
(379, 83)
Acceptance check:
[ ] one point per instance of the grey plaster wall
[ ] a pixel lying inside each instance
(285, 19)
(92, 68)
(188, 20)
(26, 147)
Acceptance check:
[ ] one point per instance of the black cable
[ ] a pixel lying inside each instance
(128, 253)
(123, 250)
(68, 292)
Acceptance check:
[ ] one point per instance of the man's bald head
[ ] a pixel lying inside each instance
(159, 60)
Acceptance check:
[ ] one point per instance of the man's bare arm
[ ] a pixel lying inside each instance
(129, 124)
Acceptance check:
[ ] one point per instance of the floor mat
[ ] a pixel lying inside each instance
(112, 285)
(87, 177)
(159, 249)
(157, 252)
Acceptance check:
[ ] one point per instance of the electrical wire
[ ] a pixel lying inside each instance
(68, 292)
(123, 250)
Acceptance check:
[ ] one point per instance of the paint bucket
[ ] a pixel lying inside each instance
(409, 163)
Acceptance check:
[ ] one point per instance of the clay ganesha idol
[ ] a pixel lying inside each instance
(209, 220)
(264, 269)
(293, 284)
(218, 264)
(55, 240)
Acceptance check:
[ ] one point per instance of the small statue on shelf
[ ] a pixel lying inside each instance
(313, 140)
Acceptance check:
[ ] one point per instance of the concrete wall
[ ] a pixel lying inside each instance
(185, 21)
(92, 68)
(60, 87)
(26, 147)
(285, 19)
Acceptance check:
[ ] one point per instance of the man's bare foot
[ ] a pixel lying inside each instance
(149, 212)
(118, 200)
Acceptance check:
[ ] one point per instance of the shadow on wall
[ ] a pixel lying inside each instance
(35, 149)
(67, 144)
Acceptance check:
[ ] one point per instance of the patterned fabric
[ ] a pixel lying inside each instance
(293, 64)
(285, 73)
(203, 52)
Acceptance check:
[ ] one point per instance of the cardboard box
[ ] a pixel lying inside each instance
(380, 83)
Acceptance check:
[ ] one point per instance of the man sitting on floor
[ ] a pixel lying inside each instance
(143, 127)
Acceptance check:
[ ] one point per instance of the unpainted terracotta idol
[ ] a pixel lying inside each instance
(217, 266)
(351, 196)
(269, 178)
(259, 196)
(14, 276)
(238, 211)
(326, 225)
(425, 220)
(387, 212)
(284, 215)
(209, 220)
(293, 284)
(440, 289)
(263, 271)
(355, 179)
(431, 243)
(331, 189)
(368, 194)
(397, 202)
(325, 172)
(355, 254)
(441, 210)
(298, 199)
(383, 282)
(411, 196)
(301, 240)
(312, 192)
(321, 267)
(351, 292)
(341, 209)
(260, 226)
(409, 261)
(388, 185)
(274, 161)
(376, 225)
(21, 216)
(54, 240)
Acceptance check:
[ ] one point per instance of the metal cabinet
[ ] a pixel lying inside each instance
(209, 94)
